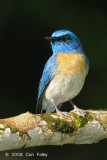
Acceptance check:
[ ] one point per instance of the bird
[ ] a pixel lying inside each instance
(64, 73)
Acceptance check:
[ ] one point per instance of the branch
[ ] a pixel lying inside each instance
(52, 129)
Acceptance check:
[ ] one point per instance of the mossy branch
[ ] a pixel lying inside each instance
(52, 129)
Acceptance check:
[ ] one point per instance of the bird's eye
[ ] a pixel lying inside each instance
(67, 37)
(53, 39)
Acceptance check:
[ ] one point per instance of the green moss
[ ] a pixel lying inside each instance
(13, 129)
(65, 126)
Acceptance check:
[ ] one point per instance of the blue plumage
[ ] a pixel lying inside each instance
(55, 84)
(47, 75)
(70, 46)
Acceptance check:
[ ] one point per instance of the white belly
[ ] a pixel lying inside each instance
(61, 89)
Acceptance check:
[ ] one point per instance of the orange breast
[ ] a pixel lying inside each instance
(71, 63)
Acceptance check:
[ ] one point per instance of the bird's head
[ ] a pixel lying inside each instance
(64, 41)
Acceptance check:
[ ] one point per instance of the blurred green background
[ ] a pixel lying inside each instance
(24, 52)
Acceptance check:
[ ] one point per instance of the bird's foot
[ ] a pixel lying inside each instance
(60, 112)
(64, 114)
(78, 110)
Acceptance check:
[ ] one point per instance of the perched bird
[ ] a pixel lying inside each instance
(64, 73)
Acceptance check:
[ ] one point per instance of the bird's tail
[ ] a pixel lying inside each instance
(39, 106)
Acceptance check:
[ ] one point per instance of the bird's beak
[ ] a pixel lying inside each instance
(50, 38)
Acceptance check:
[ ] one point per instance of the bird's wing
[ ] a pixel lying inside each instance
(48, 74)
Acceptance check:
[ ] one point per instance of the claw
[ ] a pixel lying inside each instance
(64, 113)
(80, 111)
(58, 111)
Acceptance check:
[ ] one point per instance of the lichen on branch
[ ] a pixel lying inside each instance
(52, 129)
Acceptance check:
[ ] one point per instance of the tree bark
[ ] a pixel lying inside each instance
(52, 129)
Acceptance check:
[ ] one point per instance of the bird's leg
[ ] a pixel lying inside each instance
(80, 111)
(60, 105)
(58, 111)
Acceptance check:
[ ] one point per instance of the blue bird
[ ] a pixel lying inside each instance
(64, 73)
